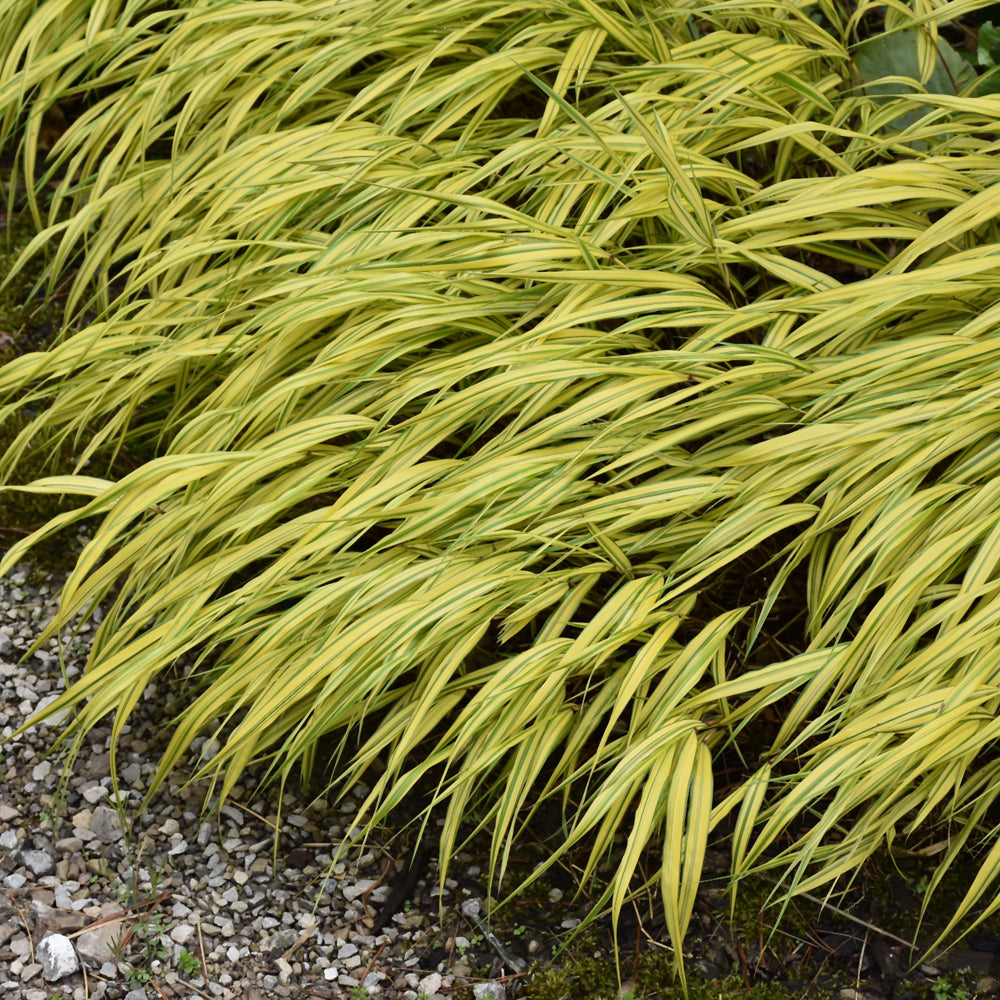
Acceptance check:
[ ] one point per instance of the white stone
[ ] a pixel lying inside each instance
(489, 991)
(429, 984)
(182, 933)
(58, 957)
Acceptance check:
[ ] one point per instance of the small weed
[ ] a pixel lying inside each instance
(144, 940)
(188, 964)
(136, 976)
(946, 988)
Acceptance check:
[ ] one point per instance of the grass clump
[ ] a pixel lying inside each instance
(577, 404)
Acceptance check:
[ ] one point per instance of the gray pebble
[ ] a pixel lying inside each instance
(39, 862)
(105, 825)
(489, 991)
(278, 942)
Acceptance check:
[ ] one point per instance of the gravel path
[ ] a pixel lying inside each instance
(174, 907)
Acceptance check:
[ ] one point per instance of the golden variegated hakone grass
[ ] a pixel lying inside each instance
(473, 351)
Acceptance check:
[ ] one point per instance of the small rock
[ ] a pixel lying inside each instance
(179, 848)
(181, 934)
(351, 892)
(58, 957)
(50, 920)
(372, 983)
(139, 994)
(7, 813)
(95, 946)
(274, 944)
(8, 840)
(30, 971)
(81, 820)
(14, 881)
(131, 775)
(431, 983)
(489, 991)
(41, 771)
(39, 862)
(106, 825)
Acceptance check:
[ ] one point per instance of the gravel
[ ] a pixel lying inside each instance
(180, 903)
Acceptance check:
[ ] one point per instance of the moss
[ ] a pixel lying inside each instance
(649, 976)
(880, 894)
